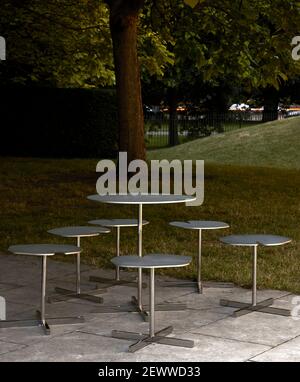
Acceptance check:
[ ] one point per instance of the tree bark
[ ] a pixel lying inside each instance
(123, 26)
(271, 101)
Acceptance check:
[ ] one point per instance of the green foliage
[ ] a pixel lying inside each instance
(67, 43)
(58, 42)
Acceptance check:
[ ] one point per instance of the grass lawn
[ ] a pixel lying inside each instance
(39, 194)
(274, 144)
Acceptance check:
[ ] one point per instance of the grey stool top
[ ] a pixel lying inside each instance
(78, 231)
(152, 261)
(253, 240)
(117, 222)
(200, 224)
(141, 198)
(44, 249)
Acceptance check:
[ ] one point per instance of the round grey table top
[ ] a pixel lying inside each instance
(78, 231)
(152, 261)
(200, 224)
(44, 249)
(253, 240)
(117, 222)
(142, 198)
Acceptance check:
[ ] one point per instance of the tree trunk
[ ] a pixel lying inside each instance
(271, 101)
(123, 25)
(173, 126)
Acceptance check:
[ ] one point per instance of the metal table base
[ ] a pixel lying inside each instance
(144, 340)
(262, 307)
(198, 285)
(67, 294)
(110, 282)
(133, 307)
(44, 324)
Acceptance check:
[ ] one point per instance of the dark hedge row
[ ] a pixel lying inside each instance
(44, 122)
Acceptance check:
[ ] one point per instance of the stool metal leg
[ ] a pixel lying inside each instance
(144, 340)
(78, 268)
(263, 306)
(43, 295)
(200, 289)
(254, 266)
(118, 253)
(152, 304)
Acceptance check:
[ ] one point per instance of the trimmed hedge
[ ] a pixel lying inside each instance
(48, 122)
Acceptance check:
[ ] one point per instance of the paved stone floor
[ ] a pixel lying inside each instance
(254, 337)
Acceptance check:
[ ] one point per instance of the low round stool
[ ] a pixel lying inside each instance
(78, 232)
(201, 225)
(152, 262)
(254, 241)
(43, 251)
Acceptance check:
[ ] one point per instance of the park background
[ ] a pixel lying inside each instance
(176, 79)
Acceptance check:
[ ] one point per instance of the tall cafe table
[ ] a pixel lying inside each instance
(140, 200)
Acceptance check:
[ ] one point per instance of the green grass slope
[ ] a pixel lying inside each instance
(273, 144)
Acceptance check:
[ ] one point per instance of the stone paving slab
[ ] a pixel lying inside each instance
(261, 328)
(77, 346)
(286, 352)
(7, 347)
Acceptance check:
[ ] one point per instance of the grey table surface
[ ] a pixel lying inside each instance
(78, 231)
(199, 224)
(142, 199)
(152, 261)
(256, 239)
(44, 249)
(117, 222)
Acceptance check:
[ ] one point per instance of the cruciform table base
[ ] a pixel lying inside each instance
(198, 284)
(144, 340)
(133, 307)
(41, 323)
(262, 307)
(114, 282)
(67, 294)
(168, 307)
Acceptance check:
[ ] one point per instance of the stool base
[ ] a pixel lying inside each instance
(67, 294)
(168, 307)
(133, 307)
(42, 323)
(111, 282)
(198, 285)
(144, 340)
(262, 307)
